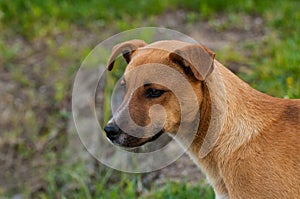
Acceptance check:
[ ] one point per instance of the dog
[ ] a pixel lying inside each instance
(256, 153)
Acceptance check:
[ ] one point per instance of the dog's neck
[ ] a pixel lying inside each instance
(229, 114)
(244, 104)
(228, 119)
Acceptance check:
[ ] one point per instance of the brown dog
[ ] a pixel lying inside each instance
(256, 154)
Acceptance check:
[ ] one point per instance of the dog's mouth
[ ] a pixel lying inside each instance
(152, 138)
(125, 140)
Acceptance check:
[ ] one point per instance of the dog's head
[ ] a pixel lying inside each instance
(145, 95)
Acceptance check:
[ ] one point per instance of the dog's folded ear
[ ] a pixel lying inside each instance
(198, 58)
(126, 49)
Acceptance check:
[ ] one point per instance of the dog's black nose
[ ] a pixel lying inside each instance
(112, 131)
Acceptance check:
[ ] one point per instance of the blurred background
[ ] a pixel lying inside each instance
(42, 44)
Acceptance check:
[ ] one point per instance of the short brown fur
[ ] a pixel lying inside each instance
(257, 153)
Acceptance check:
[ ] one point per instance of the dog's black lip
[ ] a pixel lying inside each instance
(157, 135)
(154, 137)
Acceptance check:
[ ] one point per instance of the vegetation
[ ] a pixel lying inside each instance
(41, 46)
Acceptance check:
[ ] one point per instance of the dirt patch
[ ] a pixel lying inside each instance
(218, 32)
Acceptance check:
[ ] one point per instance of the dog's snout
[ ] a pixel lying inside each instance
(112, 131)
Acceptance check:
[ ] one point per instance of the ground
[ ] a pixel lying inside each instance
(247, 29)
(39, 66)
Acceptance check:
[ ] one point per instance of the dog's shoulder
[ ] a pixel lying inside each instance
(291, 112)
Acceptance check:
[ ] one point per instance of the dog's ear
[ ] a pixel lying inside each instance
(198, 58)
(126, 49)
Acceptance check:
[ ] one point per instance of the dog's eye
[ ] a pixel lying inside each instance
(153, 93)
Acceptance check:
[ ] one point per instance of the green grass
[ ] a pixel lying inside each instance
(42, 44)
(276, 64)
(37, 18)
(106, 186)
(173, 190)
